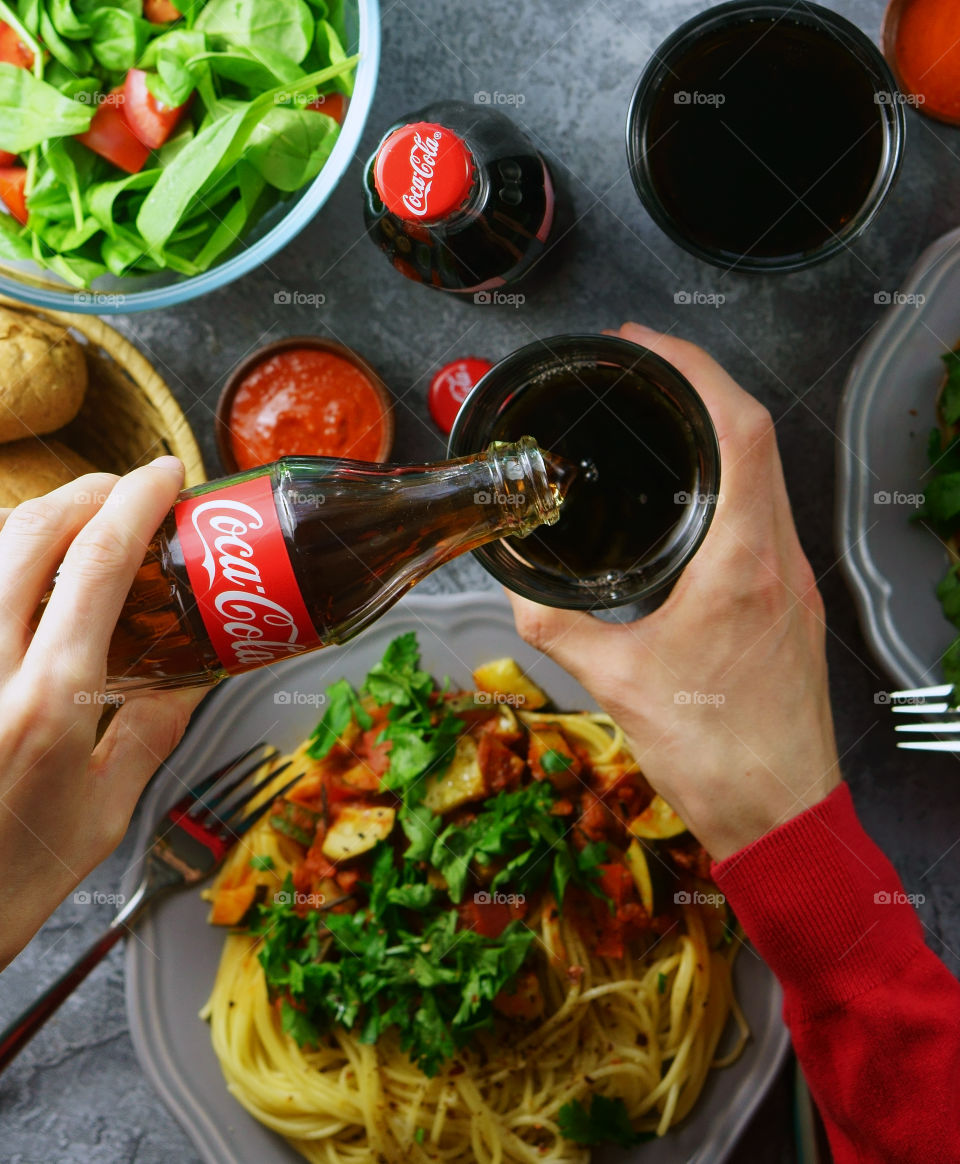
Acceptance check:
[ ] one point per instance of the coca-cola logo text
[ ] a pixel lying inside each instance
(423, 158)
(250, 603)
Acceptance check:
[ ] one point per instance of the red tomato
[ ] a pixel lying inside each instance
(332, 104)
(376, 756)
(160, 11)
(12, 191)
(7, 159)
(12, 49)
(616, 881)
(151, 122)
(111, 137)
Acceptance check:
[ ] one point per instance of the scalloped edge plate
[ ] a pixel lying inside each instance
(886, 412)
(171, 962)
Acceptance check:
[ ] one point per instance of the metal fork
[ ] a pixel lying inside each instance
(189, 844)
(927, 701)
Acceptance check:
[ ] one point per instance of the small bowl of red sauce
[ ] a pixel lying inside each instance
(921, 41)
(303, 396)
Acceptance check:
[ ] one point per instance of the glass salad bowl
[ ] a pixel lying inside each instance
(254, 243)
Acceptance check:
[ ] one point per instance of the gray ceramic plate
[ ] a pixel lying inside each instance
(171, 967)
(886, 414)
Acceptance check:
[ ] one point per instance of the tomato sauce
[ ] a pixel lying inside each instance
(305, 402)
(928, 54)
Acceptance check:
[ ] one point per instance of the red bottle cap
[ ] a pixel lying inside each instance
(451, 386)
(423, 172)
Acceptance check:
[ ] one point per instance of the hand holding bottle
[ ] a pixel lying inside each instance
(723, 690)
(65, 797)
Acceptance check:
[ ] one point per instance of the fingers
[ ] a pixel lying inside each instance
(33, 540)
(572, 638)
(141, 735)
(728, 404)
(70, 645)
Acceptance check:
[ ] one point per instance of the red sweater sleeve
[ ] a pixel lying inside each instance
(874, 1015)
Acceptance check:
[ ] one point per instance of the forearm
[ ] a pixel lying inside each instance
(874, 1015)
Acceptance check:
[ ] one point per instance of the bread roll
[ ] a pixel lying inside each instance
(33, 467)
(43, 376)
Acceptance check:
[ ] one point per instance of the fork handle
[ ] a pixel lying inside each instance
(22, 1029)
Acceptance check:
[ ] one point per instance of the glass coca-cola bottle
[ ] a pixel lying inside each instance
(304, 553)
(458, 198)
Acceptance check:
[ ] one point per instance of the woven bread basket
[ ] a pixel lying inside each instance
(129, 415)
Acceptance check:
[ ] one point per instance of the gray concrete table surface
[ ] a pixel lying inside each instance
(566, 71)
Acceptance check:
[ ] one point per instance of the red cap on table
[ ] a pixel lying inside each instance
(423, 172)
(451, 386)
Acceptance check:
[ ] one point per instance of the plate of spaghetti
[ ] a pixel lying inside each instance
(465, 929)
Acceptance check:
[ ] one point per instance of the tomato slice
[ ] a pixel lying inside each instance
(151, 122)
(7, 159)
(111, 137)
(13, 191)
(160, 11)
(12, 49)
(332, 104)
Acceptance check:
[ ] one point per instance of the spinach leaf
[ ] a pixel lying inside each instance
(258, 70)
(282, 26)
(32, 111)
(117, 40)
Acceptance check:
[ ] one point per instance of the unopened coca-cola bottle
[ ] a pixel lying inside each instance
(458, 198)
(306, 552)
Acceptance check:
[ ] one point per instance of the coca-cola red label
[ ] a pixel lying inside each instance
(242, 579)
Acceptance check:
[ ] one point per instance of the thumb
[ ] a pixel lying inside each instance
(573, 638)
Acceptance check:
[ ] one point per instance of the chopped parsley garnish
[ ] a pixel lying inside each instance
(553, 762)
(661, 983)
(423, 732)
(342, 705)
(605, 1122)
(261, 862)
(435, 986)
(420, 1135)
(404, 961)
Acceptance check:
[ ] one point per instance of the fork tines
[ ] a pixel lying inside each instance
(927, 701)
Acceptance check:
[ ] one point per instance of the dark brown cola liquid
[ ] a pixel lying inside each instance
(639, 468)
(765, 138)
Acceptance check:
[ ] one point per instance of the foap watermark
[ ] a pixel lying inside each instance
(885, 699)
(490, 698)
(699, 698)
(895, 497)
(93, 497)
(482, 897)
(897, 897)
(683, 497)
(695, 97)
(484, 498)
(905, 298)
(286, 298)
(299, 698)
(485, 97)
(96, 897)
(698, 897)
(308, 497)
(99, 698)
(296, 898)
(89, 97)
(699, 298)
(886, 97)
(499, 298)
(98, 299)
